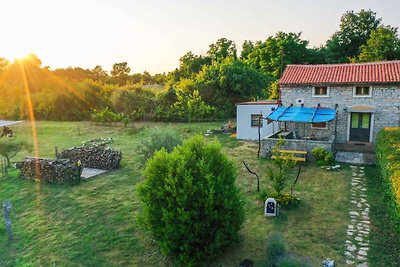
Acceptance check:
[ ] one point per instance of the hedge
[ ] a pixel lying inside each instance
(388, 160)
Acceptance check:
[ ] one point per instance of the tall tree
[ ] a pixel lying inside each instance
(225, 83)
(98, 74)
(272, 56)
(384, 44)
(73, 74)
(222, 49)
(120, 72)
(355, 30)
(191, 64)
(146, 78)
(247, 48)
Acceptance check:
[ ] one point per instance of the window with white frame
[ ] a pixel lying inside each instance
(362, 91)
(320, 91)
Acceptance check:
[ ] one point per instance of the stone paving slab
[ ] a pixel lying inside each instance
(355, 157)
(7, 123)
(88, 173)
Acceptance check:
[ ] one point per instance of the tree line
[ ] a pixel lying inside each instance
(203, 86)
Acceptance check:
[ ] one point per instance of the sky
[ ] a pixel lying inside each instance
(153, 35)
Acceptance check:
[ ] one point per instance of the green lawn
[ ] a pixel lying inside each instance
(94, 223)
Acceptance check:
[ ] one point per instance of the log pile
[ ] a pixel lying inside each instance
(97, 157)
(97, 142)
(50, 171)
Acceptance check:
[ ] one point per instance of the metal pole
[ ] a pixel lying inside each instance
(259, 135)
(250, 171)
(297, 178)
(335, 139)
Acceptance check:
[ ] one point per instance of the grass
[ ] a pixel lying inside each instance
(382, 237)
(94, 223)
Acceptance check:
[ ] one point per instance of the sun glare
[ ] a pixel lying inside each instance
(17, 54)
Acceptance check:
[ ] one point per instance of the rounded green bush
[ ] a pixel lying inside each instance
(329, 158)
(319, 152)
(191, 203)
(285, 199)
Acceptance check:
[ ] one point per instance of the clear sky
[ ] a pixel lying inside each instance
(153, 35)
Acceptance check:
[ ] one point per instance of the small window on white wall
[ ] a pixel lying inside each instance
(255, 120)
(320, 91)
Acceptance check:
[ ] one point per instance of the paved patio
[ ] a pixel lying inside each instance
(356, 153)
(88, 173)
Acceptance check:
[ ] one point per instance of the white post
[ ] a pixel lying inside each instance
(7, 209)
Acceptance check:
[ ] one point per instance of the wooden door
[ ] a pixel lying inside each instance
(360, 126)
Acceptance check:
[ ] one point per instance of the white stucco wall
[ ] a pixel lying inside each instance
(243, 121)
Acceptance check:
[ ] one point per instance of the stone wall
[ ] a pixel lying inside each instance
(385, 100)
(295, 144)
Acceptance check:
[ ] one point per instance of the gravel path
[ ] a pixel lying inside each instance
(357, 243)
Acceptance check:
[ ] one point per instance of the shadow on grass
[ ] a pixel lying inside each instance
(384, 249)
(71, 225)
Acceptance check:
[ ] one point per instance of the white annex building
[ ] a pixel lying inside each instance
(247, 119)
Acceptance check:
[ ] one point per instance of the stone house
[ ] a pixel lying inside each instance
(365, 95)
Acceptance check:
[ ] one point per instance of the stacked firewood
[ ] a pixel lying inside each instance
(97, 157)
(97, 142)
(51, 171)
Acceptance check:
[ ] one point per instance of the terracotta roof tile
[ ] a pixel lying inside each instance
(373, 72)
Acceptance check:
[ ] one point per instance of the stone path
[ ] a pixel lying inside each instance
(357, 243)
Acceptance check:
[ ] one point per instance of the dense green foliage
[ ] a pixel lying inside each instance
(384, 44)
(136, 102)
(106, 116)
(191, 203)
(355, 30)
(272, 56)
(9, 148)
(276, 249)
(278, 255)
(284, 199)
(323, 156)
(283, 163)
(189, 106)
(156, 139)
(226, 82)
(388, 160)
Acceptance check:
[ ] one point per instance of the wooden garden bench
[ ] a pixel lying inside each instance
(299, 155)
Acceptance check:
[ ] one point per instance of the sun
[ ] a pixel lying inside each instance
(17, 53)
